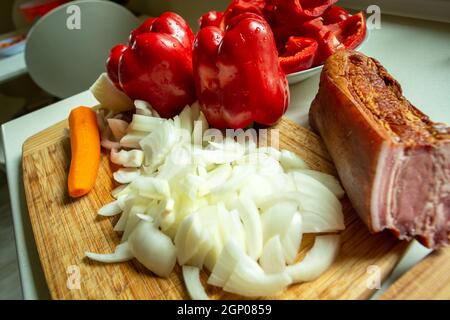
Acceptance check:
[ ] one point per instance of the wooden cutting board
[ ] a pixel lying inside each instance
(65, 228)
(428, 280)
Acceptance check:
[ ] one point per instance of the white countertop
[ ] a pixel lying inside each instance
(416, 52)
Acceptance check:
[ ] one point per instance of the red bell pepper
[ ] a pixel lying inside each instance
(238, 7)
(300, 54)
(335, 14)
(157, 65)
(237, 74)
(294, 12)
(112, 63)
(347, 34)
(212, 18)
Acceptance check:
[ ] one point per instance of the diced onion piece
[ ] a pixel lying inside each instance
(110, 209)
(292, 239)
(248, 279)
(291, 161)
(238, 177)
(216, 178)
(189, 237)
(327, 180)
(317, 260)
(157, 145)
(145, 109)
(153, 248)
(319, 215)
(150, 187)
(118, 127)
(252, 225)
(132, 139)
(277, 219)
(109, 96)
(191, 276)
(145, 124)
(200, 126)
(122, 253)
(272, 259)
(137, 208)
(186, 120)
(126, 175)
(128, 159)
(120, 190)
(226, 263)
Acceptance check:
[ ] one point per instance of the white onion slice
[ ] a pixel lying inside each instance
(118, 127)
(191, 276)
(317, 260)
(132, 139)
(152, 248)
(109, 96)
(129, 159)
(226, 263)
(327, 180)
(276, 219)
(292, 239)
(145, 124)
(122, 253)
(252, 225)
(126, 175)
(272, 259)
(248, 279)
(291, 161)
(145, 109)
(110, 209)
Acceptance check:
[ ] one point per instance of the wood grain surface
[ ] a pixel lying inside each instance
(65, 228)
(428, 280)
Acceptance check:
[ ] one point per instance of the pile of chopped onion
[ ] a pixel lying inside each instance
(235, 209)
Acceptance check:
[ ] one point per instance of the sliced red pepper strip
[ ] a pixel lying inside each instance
(294, 12)
(299, 55)
(353, 31)
(335, 14)
(347, 34)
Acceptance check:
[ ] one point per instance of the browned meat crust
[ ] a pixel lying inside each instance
(394, 162)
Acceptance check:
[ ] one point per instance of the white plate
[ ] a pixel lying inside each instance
(297, 77)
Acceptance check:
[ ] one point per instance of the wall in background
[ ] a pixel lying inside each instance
(191, 10)
(437, 10)
(6, 22)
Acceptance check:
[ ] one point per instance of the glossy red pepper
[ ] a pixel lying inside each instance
(347, 34)
(335, 14)
(212, 18)
(112, 63)
(300, 54)
(237, 7)
(237, 74)
(294, 12)
(157, 65)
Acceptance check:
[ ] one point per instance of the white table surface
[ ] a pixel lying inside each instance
(12, 66)
(416, 52)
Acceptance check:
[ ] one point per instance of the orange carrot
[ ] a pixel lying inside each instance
(85, 146)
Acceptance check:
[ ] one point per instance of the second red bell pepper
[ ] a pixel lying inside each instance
(238, 78)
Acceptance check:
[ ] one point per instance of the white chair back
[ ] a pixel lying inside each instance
(66, 49)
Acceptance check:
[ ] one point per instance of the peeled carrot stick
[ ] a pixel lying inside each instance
(85, 146)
